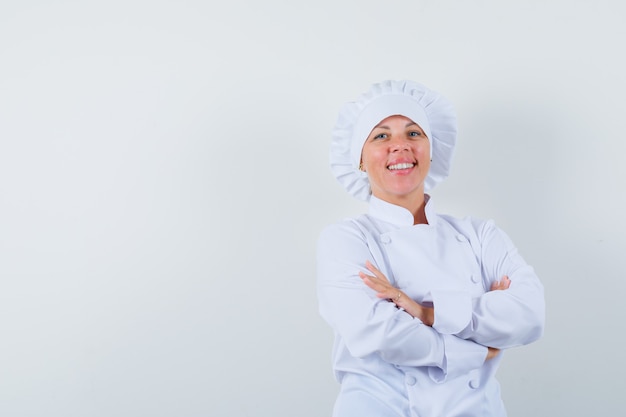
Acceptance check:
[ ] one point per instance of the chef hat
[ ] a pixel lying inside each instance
(432, 112)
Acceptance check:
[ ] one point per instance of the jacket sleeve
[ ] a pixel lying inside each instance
(500, 319)
(369, 325)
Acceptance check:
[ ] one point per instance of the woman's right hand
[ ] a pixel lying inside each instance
(503, 284)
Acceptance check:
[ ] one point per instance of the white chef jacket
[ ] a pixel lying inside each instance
(390, 364)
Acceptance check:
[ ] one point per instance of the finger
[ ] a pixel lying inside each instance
(371, 268)
(371, 282)
(369, 278)
(375, 271)
(498, 286)
(382, 291)
(503, 284)
(366, 278)
(506, 282)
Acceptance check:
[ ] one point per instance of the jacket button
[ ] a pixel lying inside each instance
(410, 380)
(473, 383)
(461, 238)
(475, 278)
(385, 239)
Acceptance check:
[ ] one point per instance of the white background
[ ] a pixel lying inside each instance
(164, 177)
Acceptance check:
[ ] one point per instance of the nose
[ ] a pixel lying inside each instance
(400, 145)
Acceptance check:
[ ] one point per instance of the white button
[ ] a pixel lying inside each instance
(475, 278)
(410, 380)
(473, 383)
(385, 239)
(461, 238)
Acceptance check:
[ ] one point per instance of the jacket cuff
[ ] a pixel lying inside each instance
(453, 310)
(461, 356)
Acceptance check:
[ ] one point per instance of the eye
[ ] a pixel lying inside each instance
(380, 136)
(415, 134)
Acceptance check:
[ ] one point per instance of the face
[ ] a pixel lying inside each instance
(396, 157)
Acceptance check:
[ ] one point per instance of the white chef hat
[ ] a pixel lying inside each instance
(431, 111)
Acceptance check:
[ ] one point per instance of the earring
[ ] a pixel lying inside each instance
(361, 166)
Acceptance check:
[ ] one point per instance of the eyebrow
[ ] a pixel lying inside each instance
(387, 127)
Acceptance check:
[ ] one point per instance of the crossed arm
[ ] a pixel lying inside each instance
(368, 325)
(379, 283)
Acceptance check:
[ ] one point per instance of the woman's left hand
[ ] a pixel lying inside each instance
(379, 283)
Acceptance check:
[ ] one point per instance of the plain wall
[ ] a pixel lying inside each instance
(164, 177)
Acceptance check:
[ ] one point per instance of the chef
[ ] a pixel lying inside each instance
(422, 304)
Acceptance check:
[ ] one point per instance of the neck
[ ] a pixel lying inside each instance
(419, 216)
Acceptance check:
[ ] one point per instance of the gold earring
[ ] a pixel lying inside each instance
(361, 166)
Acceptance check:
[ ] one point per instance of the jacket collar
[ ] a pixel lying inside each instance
(399, 216)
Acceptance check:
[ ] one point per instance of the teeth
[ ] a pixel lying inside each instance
(401, 166)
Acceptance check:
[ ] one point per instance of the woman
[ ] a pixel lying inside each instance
(421, 303)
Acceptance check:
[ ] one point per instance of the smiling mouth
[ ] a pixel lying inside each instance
(403, 165)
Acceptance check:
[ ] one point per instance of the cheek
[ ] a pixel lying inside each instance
(425, 150)
(422, 151)
(426, 164)
(370, 155)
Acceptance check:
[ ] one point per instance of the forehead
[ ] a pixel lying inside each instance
(396, 119)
